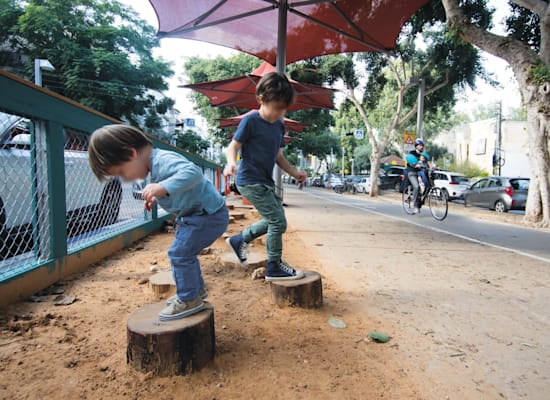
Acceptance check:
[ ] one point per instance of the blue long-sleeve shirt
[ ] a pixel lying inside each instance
(189, 192)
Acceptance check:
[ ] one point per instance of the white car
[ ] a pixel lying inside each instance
(89, 203)
(363, 186)
(453, 184)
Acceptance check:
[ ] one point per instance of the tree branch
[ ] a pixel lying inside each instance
(537, 6)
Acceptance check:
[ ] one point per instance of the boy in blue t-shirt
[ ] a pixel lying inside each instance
(259, 137)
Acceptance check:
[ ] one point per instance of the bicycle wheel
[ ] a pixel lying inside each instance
(438, 203)
(408, 203)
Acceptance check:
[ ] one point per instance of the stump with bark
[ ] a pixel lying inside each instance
(306, 292)
(166, 348)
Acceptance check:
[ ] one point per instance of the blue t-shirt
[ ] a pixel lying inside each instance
(260, 143)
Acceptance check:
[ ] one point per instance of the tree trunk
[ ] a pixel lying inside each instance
(535, 95)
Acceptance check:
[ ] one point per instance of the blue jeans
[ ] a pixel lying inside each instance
(413, 179)
(193, 234)
(273, 221)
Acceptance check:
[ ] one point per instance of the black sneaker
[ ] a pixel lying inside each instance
(280, 271)
(239, 247)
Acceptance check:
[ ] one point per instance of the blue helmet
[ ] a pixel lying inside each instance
(418, 141)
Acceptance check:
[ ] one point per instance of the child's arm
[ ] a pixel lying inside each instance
(285, 166)
(231, 153)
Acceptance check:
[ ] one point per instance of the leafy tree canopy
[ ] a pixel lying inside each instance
(191, 142)
(101, 51)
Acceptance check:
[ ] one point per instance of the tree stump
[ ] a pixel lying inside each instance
(237, 215)
(306, 292)
(162, 282)
(254, 260)
(166, 348)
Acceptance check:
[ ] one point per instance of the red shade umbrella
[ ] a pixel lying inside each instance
(283, 32)
(290, 124)
(241, 91)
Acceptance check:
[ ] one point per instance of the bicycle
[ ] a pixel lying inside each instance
(437, 200)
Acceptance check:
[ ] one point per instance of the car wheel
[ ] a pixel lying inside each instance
(109, 207)
(446, 193)
(500, 206)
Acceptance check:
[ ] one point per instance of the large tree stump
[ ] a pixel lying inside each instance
(166, 348)
(306, 292)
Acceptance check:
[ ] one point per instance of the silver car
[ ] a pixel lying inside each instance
(498, 193)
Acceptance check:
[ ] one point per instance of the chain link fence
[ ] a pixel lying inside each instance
(94, 210)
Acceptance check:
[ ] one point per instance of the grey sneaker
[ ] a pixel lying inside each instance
(280, 271)
(203, 293)
(181, 309)
(239, 247)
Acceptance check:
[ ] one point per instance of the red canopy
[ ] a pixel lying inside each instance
(241, 91)
(290, 124)
(308, 28)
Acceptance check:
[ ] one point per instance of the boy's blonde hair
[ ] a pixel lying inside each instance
(112, 145)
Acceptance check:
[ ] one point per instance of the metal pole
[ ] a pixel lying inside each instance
(280, 67)
(499, 138)
(343, 160)
(37, 73)
(420, 101)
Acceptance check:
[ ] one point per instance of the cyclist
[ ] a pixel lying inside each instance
(414, 165)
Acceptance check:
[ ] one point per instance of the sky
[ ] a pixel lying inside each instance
(178, 50)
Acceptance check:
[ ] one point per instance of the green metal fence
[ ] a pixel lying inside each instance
(54, 214)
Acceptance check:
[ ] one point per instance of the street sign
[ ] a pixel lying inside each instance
(408, 141)
(359, 134)
(190, 122)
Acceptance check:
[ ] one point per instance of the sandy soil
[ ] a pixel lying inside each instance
(78, 351)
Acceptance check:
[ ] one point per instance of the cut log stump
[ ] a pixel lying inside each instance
(306, 292)
(166, 348)
(254, 260)
(162, 282)
(236, 215)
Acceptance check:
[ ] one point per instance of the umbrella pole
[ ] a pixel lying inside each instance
(281, 63)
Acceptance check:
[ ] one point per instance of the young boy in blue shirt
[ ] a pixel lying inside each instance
(259, 137)
(178, 186)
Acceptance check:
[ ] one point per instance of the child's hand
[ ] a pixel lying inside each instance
(301, 176)
(150, 194)
(229, 170)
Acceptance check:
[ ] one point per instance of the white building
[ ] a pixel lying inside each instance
(477, 141)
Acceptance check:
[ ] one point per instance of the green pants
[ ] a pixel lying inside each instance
(273, 221)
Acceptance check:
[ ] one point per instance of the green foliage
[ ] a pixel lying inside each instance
(191, 142)
(523, 24)
(101, 51)
(467, 168)
(361, 156)
(539, 73)
(319, 144)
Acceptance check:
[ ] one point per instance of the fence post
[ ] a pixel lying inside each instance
(55, 143)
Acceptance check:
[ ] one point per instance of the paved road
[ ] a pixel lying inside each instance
(525, 241)
(469, 319)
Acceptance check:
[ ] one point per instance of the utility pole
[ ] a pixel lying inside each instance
(498, 151)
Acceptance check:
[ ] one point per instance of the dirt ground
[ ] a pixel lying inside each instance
(78, 351)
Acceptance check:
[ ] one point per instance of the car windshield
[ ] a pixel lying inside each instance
(520, 184)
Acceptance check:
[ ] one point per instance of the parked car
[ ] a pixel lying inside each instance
(89, 203)
(391, 178)
(137, 188)
(498, 193)
(363, 186)
(332, 181)
(452, 184)
(317, 181)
